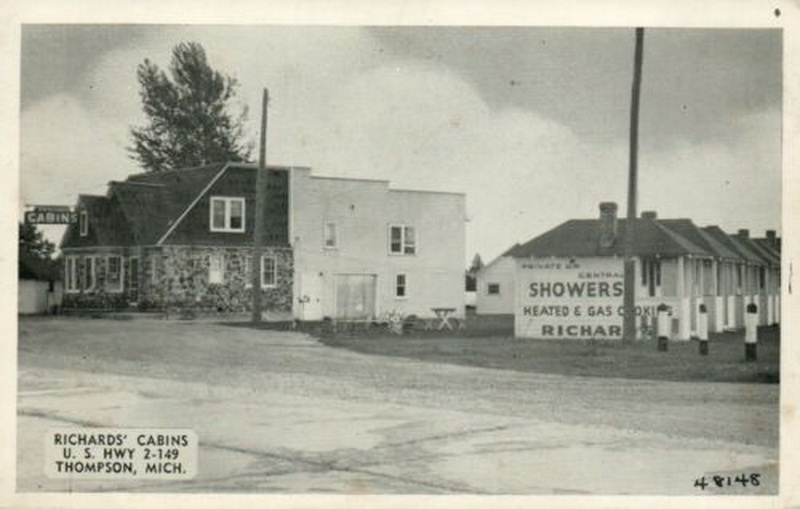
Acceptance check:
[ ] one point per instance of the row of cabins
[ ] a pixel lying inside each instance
(567, 282)
(338, 248)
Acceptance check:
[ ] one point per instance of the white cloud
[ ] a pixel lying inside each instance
(66, 149)
(343, 108)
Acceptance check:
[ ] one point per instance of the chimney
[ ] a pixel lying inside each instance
(608, 223)
(771, 238)
(744, 233)
(649, 214)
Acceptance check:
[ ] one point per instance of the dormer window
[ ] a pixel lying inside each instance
(227, 214)
(83, 223)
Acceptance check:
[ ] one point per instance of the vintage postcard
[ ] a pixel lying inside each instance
(288, 258)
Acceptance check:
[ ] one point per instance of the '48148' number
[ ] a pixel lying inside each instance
(723, 481)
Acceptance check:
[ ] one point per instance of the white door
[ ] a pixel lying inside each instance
(310, 298)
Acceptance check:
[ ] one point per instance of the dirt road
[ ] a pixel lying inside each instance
(279, 412)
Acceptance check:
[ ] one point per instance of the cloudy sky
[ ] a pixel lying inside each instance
(531, 123)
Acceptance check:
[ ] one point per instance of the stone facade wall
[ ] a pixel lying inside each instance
(181, 279)
(177, 277)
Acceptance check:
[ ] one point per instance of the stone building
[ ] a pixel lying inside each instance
(343, 248)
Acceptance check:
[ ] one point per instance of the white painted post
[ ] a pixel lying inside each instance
(663, 326)
(751, 332)
(702, 329)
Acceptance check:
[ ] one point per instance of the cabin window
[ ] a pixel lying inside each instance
(708, 277)
(651, 275)
(329, 236)
(216, 269)
(90, 273)
(402, 240)
(739, 278)
(114, 273)
(154, 270)
(269, 271)
(400, 286)
(269, 275)
(70, 274)
(227, 214)
(493, 289)
(84, 223)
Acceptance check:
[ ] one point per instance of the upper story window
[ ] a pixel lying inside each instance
(227, 214)
(402, 240)
(330, 239)
(83, 223)
(493, 289)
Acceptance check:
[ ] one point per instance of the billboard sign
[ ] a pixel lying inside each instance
(570, 298)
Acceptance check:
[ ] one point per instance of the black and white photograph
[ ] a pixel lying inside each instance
(400, 259)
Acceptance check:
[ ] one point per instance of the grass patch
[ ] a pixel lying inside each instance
(491, 344)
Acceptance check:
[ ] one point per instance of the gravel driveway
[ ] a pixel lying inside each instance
(280, 412)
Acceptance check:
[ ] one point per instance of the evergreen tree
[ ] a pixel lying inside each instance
(477, 264)
(33, 244)
(188, 112)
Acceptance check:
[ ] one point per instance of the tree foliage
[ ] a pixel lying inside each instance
(477, 264)
(188, 112)
(33, 244)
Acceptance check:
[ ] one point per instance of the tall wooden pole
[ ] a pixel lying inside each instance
(259, 235)
(629, 300)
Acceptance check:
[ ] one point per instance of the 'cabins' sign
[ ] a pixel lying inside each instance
(570, 298)
(51, 215)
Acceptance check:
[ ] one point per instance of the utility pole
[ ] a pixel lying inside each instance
(629, 299)
(259, 235)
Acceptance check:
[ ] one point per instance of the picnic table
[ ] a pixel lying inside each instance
(443, 319)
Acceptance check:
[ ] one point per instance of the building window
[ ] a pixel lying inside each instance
(154, 270)
(402, 240)
(651, 276)
(227, 214)
(71, 274)
(114, 274)
(400, 286)
(330, 240)
(269, 276)
(739, 277)
(762, 277)
(84, 223)
(216, 269)
(493, 289)
(90, 273)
